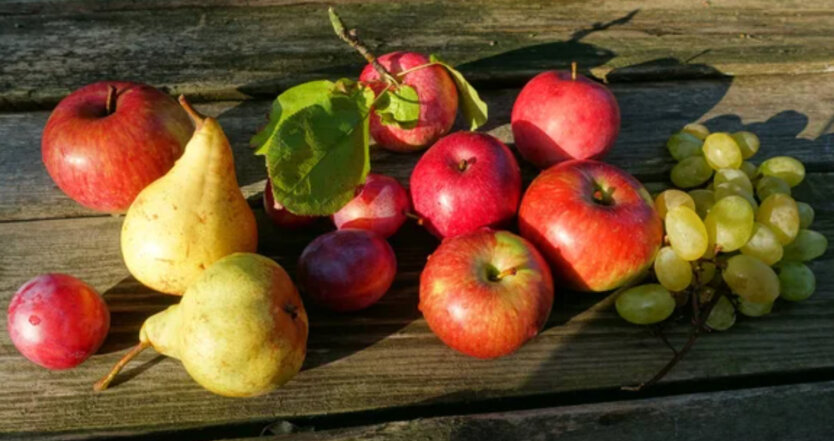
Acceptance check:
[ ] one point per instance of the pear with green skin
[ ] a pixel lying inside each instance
(190, 217)
(240, 330)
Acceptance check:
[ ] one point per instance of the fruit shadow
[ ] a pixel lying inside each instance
(130, 304)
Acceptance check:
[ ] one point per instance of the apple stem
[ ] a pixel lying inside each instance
(350, 37)
(573, 70)
(196, 116)
(105, 381)
(511, 271)
(463, 164)
(110, 106)
(411, 215)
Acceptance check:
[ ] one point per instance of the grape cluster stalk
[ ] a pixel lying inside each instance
(735, 240)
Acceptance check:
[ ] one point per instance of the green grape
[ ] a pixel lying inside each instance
(645, 304)
(730, 189)
(751, 279)
(686, 231)
(796, 281)
(691, 172)
(721, 151)
(704, 200)
(806, 214)
(705, 272)
(808, 245)
(733, 176)
(674, 273)
(671, 198)
(723, 315)
(786, 168)
(763, 245)
(779, 212)
(768, 185)
(753, 309)
(747, 142)
(683, 145)
(700, 131)
(730, 223)
(749, 169)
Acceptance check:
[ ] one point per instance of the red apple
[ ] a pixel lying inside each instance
(282, 217)
(595, 223)
(380, 206)
(57, 321)
(437, 95)
(347, 270)
(466, 181)
(557, 117)
(486, 293)
(102, 148)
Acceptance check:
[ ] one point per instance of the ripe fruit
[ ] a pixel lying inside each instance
(464, 182)
(786, 168)
(380, 206)
(559, 116)
(347, 270)
(107, 141)
(435, 90)
(240, 329)
(730, 223)
(751, 279)
(796, 281)
(722, 151)
(282, 217)
(687, 233)
(487, 293)
(194, 215)
(645, 304)
(593, 222)
(57, 321)
(780, 213)
(674, 273)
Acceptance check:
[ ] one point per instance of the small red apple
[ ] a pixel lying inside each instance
(466, 181)
(347, 270)
(380, 206)
(57, 321)
(107, 141)
(486, 293)
(595, 223)
(557, 117)
(437, 95)
(280, 216)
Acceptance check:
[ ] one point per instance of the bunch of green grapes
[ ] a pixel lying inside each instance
(732, 230)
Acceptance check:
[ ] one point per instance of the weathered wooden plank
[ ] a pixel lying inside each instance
(379, 358)
(225, 52)
(795, 412)
(791, 114)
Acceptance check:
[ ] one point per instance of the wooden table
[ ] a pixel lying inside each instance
(381, 374)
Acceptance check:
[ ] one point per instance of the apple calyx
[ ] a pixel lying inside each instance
(110, 105)
(196, 117)
(107, 379)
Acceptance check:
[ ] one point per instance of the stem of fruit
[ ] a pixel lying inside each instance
(511, 271)
(350, 37)
(573, 70)
(107, 379)
(110, 105)
(195, 116)
(411, 215)
(697, 328)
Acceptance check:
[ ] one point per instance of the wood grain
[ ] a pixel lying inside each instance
(795, 412)
(379, 358)
(791, 114)
(214, 51)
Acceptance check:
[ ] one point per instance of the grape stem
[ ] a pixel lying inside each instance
(697, 329)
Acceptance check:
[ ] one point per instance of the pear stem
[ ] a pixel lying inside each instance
(196, 116)
(105, 381)
(573, 70)
(349, 37)
(110, 105)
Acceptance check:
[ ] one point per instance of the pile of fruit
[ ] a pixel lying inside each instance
(240, 328)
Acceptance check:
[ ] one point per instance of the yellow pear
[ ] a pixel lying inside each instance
(240, 330)
(190, 217)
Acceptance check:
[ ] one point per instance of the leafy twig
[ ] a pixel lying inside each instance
(350, 37)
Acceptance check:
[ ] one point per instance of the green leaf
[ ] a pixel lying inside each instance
(289, 102)
(473, 108)
(400, 107)
(318, 155)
